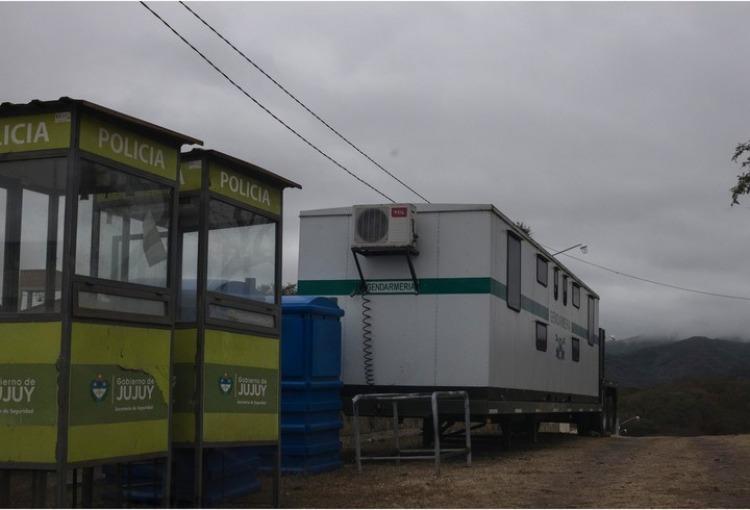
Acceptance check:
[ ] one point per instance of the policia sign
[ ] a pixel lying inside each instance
(227, 338)
(86, 328)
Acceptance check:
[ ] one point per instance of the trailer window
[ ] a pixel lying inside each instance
(576, 295)
(576, 345)
(542, 270)
(592, 320)
(241, 253)
(541, 336)
(514, 272)
(565, 289)
(556, 283)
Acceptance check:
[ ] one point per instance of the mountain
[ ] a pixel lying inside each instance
(688, 407)
(636, 343)
(647, 363)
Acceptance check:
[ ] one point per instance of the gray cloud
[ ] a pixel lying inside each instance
(610, 124)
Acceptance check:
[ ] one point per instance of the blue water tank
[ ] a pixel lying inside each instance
(310, 384)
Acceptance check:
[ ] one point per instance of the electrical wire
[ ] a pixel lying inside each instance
(342, 167)
(299, 102)
(655, 282)
(262, 107)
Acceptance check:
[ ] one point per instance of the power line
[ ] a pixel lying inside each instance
(299, 102)
(655, 282)
(259, 104)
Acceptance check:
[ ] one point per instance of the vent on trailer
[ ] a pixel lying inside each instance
(384, 227)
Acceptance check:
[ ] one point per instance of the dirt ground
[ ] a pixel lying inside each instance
(561, 470)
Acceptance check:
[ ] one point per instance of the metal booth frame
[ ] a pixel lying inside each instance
(204, 299)
(71, 310)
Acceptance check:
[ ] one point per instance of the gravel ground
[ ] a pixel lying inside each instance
(561, 470)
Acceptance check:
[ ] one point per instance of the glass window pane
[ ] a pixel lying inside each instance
(123, 227)
(241, 253)
(541, 336)
(576, 347)
(542, 271)
(514, 272)
(188, 226)
(227, 313)
(189, 279)
(120, 304)
(32, 276)
(556, 283)
(31, 196)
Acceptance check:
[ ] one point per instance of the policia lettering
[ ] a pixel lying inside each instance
(131, 148)
(35, 132)
(245, 188)
(24, 133)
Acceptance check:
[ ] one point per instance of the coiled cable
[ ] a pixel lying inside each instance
(367, 353)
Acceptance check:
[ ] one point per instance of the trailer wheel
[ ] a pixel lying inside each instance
(506, 426)
(583, 424)
(428, 433)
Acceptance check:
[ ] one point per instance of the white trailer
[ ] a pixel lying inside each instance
(469, 302)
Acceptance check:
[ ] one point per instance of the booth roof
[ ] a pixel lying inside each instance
(238, 164)
(36, 105)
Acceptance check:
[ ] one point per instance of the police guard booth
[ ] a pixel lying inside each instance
(88, 205)
(228, 327)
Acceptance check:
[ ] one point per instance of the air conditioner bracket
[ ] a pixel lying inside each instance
(369, 253)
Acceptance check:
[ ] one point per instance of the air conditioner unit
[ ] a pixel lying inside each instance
(384, 227)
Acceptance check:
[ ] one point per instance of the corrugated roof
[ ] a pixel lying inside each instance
(34, 105)
(240, 164)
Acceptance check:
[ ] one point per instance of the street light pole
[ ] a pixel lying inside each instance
(582, 246)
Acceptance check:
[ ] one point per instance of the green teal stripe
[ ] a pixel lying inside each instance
(535, 308)
(579, 330)
(326, 287)
(426, 286)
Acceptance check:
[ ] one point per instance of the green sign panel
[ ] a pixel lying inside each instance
(35, 132)
(28, 394)
(126, 147)
(114, 395)
(244, 189)
(241, 389)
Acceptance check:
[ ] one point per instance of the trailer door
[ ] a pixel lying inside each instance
(592, 320)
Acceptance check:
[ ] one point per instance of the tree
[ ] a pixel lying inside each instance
(290, 289)
(743, 180)
(524, 228)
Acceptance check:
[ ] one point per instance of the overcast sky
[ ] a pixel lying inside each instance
(607, 124)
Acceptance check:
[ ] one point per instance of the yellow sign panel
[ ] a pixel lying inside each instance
(35, 132)
(119, 391)
(28, 391)
(126, 147)
(244, 189)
